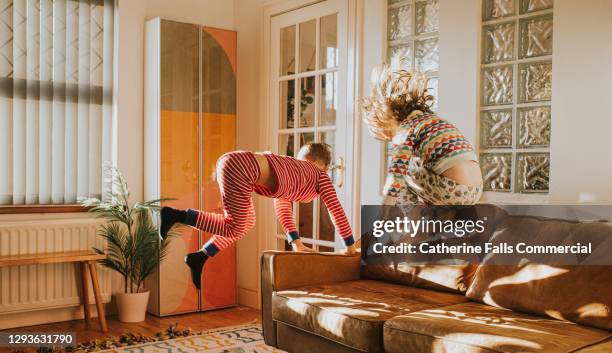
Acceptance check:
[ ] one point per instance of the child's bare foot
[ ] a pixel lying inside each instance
(297, 245)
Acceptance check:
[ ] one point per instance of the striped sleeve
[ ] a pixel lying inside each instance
(336, 212)
(284, 213)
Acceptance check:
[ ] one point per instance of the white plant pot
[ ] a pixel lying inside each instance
(132, 307)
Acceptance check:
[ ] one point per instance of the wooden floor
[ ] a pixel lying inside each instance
(198, 322)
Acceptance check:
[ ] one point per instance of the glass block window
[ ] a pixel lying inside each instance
(412, 36)
(515, 95)
(412, 39)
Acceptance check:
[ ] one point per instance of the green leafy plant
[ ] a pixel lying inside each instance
(133, 246)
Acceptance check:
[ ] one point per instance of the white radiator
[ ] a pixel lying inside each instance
(38, 287)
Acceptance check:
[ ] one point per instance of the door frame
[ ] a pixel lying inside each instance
(353, 121)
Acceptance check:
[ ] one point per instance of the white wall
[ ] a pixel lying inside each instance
(212, 13)
(581, 149)
(374, 46)
(129, 93)
(459, 62)
(248, 15)
(581, 146)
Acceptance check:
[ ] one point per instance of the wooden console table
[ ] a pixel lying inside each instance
(86, 259)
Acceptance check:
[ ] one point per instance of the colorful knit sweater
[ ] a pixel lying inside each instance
(436, 142)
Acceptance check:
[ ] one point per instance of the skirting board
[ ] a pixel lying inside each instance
(248, 297)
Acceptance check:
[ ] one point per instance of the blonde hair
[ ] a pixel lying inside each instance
(394, 95)
(316, 151)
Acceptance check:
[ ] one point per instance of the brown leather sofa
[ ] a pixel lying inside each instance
(314, 302)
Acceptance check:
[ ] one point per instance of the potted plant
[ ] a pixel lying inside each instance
(133, 248)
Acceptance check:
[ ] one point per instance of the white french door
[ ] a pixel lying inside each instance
(308, 72)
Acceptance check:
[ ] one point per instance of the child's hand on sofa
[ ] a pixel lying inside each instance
(350, 250)
(297, 245)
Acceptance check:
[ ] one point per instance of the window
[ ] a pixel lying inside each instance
(412, 37)
(56, 78)
(516, 90)
(412, 42)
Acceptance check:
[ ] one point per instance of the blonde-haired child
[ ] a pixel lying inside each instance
(431, 160)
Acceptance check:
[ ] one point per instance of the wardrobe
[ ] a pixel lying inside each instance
(190, 121)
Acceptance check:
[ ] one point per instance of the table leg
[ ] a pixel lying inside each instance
(98, 296)
(85, 289)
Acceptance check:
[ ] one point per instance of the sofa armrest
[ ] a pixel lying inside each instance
(284, 270)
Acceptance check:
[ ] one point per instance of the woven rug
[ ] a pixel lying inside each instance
(236, 339)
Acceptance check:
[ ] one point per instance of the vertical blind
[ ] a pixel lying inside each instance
(56, 79)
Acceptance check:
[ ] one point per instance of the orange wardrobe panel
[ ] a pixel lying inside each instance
(190, 121)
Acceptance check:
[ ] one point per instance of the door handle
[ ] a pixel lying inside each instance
(339, 169)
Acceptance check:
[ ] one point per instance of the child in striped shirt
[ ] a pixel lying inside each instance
(283, 178)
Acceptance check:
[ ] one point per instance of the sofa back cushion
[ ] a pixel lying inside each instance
(577, 293)
(413, 270)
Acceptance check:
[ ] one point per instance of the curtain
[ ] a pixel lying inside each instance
(56, 79)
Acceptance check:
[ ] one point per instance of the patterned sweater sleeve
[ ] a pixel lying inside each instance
(396, 189)
(336, 212)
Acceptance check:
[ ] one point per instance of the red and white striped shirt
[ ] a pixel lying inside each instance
(303, 181)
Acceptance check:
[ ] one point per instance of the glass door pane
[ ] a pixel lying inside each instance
(329, 98)
(305, 221)
(285, 145)
(306, 137)
(287, 48)
(307, 100)
(308, 49)
(287, 104)
(328, 48)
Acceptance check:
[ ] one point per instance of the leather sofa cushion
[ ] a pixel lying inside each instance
(408, 268)
(602, 347)
(352, 313)
(581, 294)
(477, 328)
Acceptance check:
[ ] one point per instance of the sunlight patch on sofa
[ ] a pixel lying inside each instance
(331, 322)
(531, 272)
(297, 307)
(348, 311)
(489, 320)
(593, 310)
(324, 300)
(450, 341)
(443, 275)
